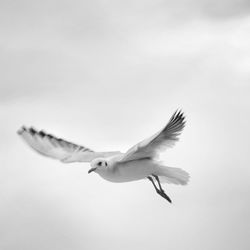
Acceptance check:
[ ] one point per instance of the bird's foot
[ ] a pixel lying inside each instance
(164, 195)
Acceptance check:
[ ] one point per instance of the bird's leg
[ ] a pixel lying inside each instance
(160, 192)
(161, 189)
(158, 181)
(151, 179)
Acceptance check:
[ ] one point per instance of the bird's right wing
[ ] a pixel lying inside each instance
(150, 148)
(57, 148)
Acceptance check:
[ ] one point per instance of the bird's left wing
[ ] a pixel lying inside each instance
(57, 148)
(149, 148)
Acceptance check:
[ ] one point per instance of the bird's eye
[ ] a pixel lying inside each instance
(106, 164)
(99, 163)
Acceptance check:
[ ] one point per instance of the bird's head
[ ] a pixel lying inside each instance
(98, 165)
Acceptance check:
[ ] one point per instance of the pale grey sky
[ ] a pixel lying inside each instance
(107, 74)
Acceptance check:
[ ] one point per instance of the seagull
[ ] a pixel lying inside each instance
(139, 162)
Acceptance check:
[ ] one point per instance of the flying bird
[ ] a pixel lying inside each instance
(139, 162)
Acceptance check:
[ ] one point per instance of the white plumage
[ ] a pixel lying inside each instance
(139, 162)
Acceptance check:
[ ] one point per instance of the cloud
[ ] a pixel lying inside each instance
(49, 47)
(107, 74)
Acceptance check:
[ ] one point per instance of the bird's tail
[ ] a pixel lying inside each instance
(173, 175)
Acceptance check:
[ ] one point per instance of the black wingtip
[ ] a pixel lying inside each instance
(21, 130)
(42, 133)
(32, 130)
(178, 115)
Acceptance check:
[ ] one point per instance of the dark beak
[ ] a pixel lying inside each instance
(91, 170)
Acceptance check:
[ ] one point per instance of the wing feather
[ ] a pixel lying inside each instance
(57, 148)
(167, 137)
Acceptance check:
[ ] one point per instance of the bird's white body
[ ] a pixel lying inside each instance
(129, 171)
(117, 171)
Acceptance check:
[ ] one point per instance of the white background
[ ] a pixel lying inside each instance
(107, 74)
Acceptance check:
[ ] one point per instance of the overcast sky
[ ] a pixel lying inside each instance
(107, 74)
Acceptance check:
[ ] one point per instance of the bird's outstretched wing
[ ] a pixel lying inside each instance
(57, 148)
(149, 148)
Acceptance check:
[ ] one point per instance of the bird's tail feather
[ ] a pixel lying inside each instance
(173, 175)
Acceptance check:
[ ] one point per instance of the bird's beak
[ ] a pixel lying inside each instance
(91, 170)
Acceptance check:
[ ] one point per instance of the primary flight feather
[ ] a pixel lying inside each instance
(139, 162)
